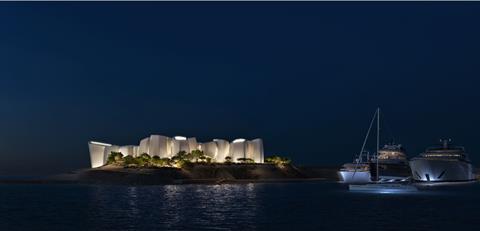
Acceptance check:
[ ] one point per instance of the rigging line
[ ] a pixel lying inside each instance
(364, 142)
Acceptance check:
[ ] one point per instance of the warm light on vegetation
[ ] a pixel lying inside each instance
(180, 160)
(228, 159)
(278, 160)
(246, 160)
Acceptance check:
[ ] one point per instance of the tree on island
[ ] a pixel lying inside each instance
(197, 154)
(208, 159)
(145, 157)
(181, 159)
(115, 158)
(246, 160)
(278, 160)
(156, 161)
(163, 162)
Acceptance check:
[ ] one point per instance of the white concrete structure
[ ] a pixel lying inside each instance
(159, 146)
(255, 150)
(128, 150)
(223, 150)
(166, 147)
(99, 152)
(210, 149)
(238, 149)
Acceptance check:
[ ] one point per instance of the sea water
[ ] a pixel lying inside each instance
(260, 206)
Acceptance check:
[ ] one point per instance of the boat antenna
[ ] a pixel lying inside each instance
(378, 136)
(364, 142)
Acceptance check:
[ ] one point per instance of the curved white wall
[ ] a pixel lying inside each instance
(210, 149)
(179, 145)
(162, 146)
(238, 149)
(223, 149)
(109, 150)
(144, 146)
(192, 143)
(97, 151)
(255, 150)
(127, 150)
(158, 146)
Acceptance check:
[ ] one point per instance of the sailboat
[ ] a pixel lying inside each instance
(376, 185)
(360, 171)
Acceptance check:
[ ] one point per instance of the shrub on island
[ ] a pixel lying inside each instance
(115, 158)
(181, 160)
(246, 160)
(278, 160)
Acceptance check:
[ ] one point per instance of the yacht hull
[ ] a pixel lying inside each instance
(435, 170)
(354, 177)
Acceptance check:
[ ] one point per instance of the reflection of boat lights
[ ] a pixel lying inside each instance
(383, 188)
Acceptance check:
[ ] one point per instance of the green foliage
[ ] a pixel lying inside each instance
(208, 159)
(115, 158)
(228, 159)
(129, 161)
(145, 157)
(167, 162)
(161, 162)
(278, 160)
(140, 161)
(197, 154)
(246, 160)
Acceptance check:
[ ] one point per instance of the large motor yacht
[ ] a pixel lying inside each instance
(445, 163)
(393, 163)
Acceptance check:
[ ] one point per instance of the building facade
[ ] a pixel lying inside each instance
(167, 147)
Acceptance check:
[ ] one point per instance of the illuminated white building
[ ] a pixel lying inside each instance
(166, 147)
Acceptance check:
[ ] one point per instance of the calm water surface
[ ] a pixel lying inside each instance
(285, 206)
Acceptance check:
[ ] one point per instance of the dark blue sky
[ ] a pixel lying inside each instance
(305, 77)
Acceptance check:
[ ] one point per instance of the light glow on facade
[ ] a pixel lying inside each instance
(180, 138)
(166, 147)
(238, 140)
(100, 143)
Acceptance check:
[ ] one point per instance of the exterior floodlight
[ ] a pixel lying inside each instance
(180, 138)
(100, 143)
(238, 141)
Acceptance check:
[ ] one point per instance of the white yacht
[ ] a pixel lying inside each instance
(355, 173)
(360, 171)
(445, 163)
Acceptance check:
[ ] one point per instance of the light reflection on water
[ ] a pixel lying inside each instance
(301, 206)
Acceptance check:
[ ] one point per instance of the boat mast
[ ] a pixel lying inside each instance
(378, 137)
(364, 143)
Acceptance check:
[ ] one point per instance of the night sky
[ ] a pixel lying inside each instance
(305, 77)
